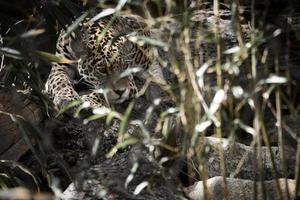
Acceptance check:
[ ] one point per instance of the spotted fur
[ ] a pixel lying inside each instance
(101, 51)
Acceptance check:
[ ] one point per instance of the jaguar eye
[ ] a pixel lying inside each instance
(102, 69)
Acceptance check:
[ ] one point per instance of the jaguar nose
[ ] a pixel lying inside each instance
(119, 92)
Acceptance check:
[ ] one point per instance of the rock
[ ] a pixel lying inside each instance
(242, 189)
(241, 160)
(12, 146)
(120, 178)
(72, 194)
(290, 127)
(24, 194)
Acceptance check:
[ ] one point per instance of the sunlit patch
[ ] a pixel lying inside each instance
(203, 126)
(217, 100)
(237, 91)
(101, 111)
(86, 104)
(157, 101)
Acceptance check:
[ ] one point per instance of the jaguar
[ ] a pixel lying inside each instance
(105, 55)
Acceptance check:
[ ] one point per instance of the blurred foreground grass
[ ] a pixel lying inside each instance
(233, 74)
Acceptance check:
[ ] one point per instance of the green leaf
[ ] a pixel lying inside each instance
(68, 106)
(12, 53)
(141, 40)
(125, 143)
(33, 33)
(125, 119)
(74, 26)
(54, 58)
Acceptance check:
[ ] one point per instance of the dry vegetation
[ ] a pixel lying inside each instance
(233, 73)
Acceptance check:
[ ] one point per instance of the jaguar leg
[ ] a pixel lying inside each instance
(59, 87)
